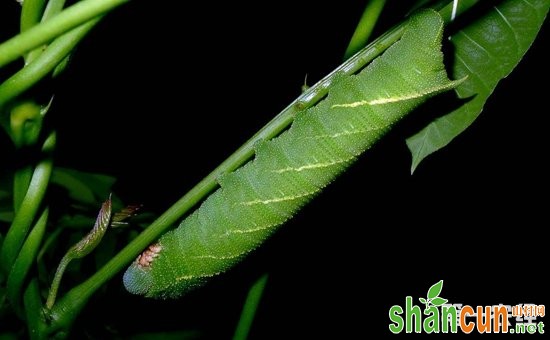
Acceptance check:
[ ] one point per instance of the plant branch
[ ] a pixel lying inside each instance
(33, 310)
(24, 262)
(25, 216)
(82, 248)
(68, 19)
(53, 8)
(31, 12)
(365, 26)
(43, 64)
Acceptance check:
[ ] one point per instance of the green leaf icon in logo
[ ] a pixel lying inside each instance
(439, 301)
(434, 290)
(433, 298)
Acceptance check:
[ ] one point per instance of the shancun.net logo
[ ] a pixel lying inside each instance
(439, 316)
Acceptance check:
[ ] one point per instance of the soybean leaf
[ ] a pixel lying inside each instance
(435, 290)
(486, 52)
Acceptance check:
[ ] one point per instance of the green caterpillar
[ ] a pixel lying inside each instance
(288, 171)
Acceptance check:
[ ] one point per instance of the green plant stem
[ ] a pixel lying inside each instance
(25, 216)
(24, 262)
(249, 308)
(31, 12)
(33, 310)
(82, 248)
(53, 8)
(21, 180)
(67, 308)
(57, 279)
(43, 64)
(365, 27)
(68, 19)
(25, 125)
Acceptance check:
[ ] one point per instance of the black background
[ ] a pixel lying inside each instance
(161, 92)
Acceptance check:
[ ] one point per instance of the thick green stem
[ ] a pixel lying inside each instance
(365, 27)
(53, 8)
(44, 64)
(21, 180)
(70, 18)
(33, 311)
(24, 262)
(67, 308)
(25, 125)
(31, 13)
(25, 216)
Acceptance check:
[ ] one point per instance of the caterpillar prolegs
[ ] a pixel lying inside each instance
(289, 170)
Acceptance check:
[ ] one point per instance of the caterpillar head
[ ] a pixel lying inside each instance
(137, 279)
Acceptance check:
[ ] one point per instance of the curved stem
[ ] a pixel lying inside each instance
(24, 262)
(33, 310)
(25, 125)
(53, 8)
(44, 64)
(31, 13)
(57, 279)
(21, 180)
(25, 216)
(71, 17)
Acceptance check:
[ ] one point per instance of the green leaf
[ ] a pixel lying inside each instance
(249, 308)
(439, 301)
(422, 300)
(434, 290)
(486, 51)
(85, 187)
